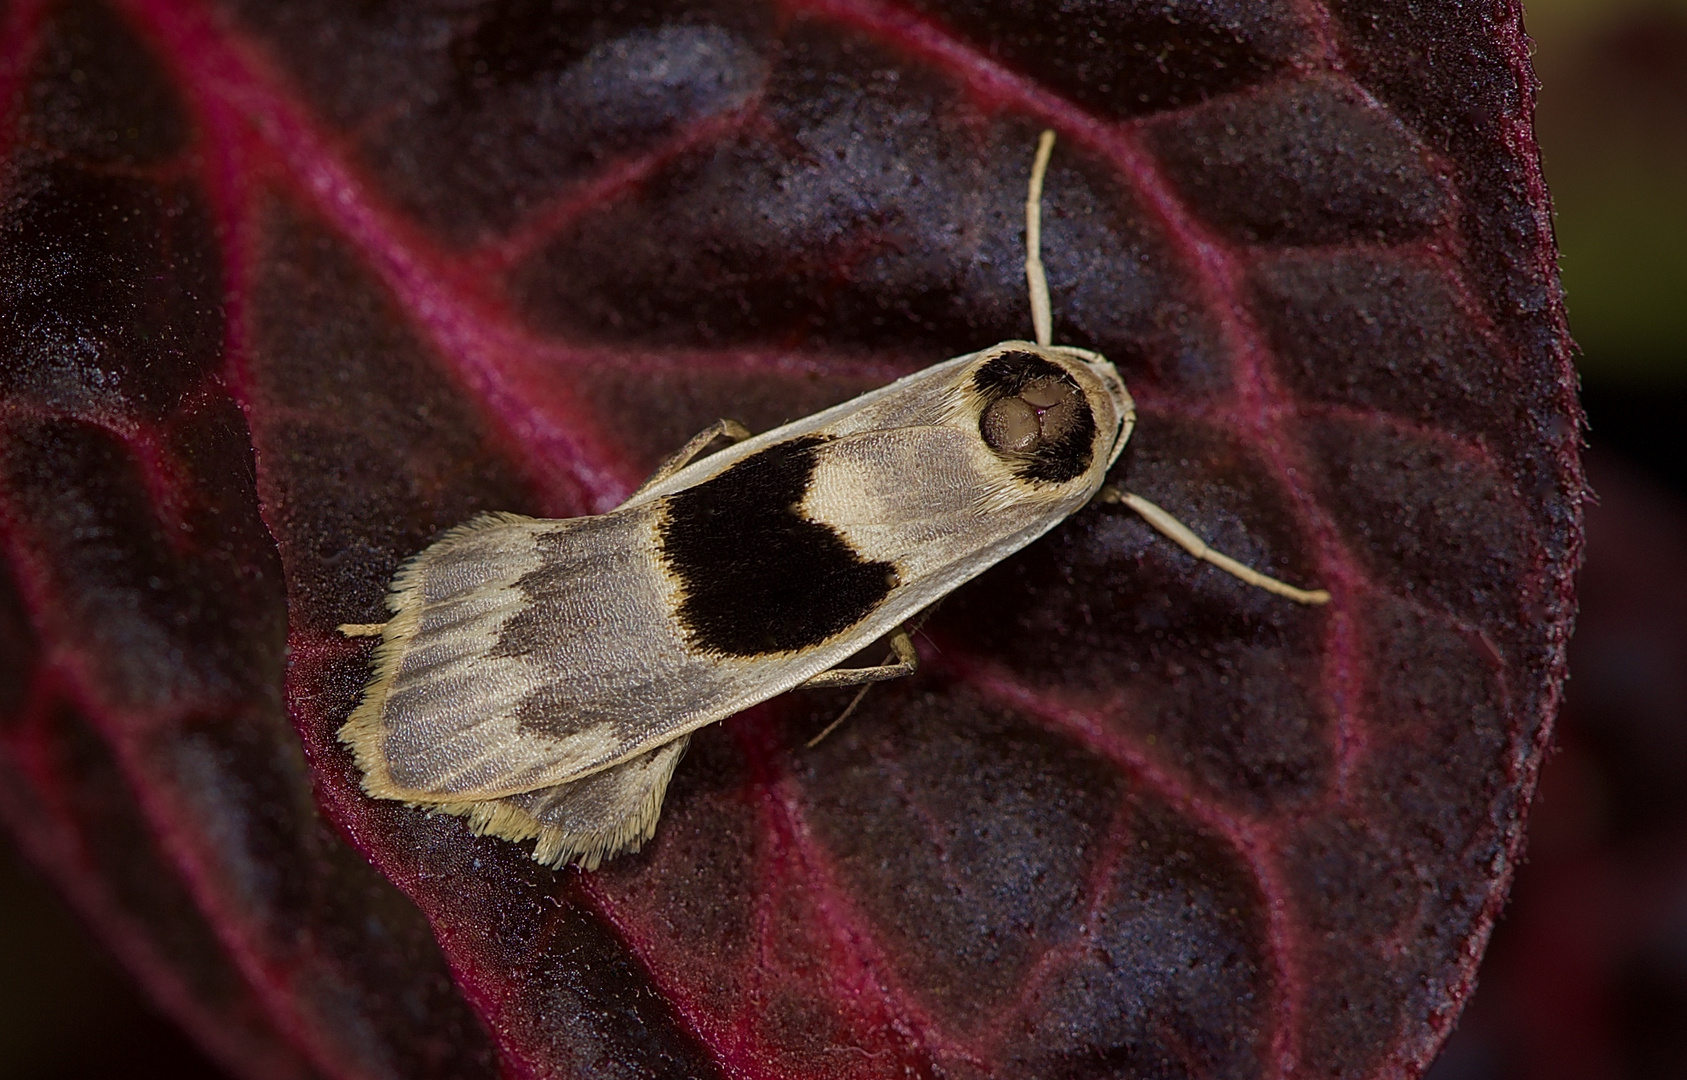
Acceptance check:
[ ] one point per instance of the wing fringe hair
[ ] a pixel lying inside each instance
(584, 821)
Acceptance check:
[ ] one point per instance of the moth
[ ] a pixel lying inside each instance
(543, 677)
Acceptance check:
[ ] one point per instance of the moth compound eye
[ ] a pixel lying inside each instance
(1010, 426)
(1047, 392)
(1045, 410)
(1058, 404)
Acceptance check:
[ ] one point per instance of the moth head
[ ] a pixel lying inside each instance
(1054, 414)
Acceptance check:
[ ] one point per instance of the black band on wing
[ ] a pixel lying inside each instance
(757, 576)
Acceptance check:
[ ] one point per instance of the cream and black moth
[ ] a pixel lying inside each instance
(543, 677)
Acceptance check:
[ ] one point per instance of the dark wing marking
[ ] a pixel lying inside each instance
(757, 576)
(522, 654)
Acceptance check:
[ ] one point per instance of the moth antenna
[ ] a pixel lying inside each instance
(1181, 535)
(1042, 317)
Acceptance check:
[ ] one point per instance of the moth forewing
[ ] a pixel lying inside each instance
(525, 654)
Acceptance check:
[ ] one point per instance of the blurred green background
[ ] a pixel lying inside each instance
(1613, 130)
(1613, 126)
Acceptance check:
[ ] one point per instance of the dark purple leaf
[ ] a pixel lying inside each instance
(289, 288)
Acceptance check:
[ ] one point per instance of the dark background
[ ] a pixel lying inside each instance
(1587, 975)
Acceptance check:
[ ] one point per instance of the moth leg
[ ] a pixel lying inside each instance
(907, 661)
(727, 429)
(1180, 534)
(361, 629)
(584, 821)
(902, 647)
(1042, 316)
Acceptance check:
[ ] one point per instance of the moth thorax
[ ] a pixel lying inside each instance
(1045, 410)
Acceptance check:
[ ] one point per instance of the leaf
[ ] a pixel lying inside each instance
(1580, 979)
(289, 289)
